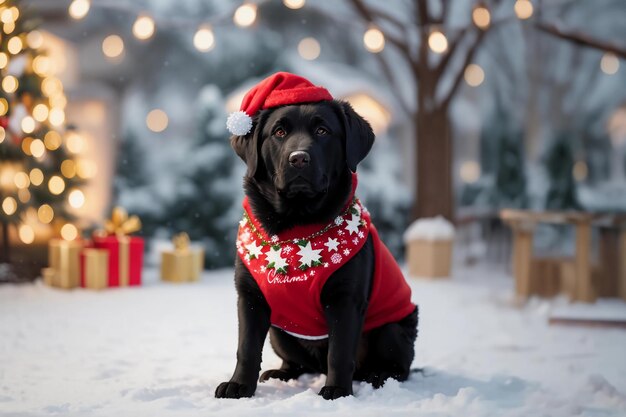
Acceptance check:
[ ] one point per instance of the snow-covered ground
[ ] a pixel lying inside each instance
(160, 350)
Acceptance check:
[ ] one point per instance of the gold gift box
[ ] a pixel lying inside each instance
(95, 268)
(182, 266)
(64, 261)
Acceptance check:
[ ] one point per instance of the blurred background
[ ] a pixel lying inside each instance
(477, 106)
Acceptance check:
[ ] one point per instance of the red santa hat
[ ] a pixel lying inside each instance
(279, 89)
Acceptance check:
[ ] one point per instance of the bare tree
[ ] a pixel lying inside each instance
(436, 80)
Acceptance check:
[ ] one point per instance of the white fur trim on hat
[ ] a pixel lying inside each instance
(239, 123)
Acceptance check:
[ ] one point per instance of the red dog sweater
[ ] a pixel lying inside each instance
(291, 269)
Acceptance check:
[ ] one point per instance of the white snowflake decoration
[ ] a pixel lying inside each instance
(361, 234)
(254, 250)
(275, 260)
(336, 258)
(338, 220)
(346, 252)
(353, 224)
(331, 244)
(309, 256)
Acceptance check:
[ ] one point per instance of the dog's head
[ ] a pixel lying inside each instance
(300, 156)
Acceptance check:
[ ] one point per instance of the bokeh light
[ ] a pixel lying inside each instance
(309, 48)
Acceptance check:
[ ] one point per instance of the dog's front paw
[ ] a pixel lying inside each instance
(233, 390)
(332, 393)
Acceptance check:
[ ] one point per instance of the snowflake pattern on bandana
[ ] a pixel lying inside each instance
(290, 261)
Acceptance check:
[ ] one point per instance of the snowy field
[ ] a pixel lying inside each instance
(162, 349)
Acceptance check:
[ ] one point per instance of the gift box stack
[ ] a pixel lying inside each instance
(112, 258)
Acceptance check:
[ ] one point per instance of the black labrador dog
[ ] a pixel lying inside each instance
(300, 160)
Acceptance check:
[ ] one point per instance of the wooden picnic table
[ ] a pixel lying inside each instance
(612, 249)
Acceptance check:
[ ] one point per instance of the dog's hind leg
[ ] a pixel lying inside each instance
(390, 352)
(297, 360)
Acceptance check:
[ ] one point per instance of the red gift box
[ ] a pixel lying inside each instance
(125, 258)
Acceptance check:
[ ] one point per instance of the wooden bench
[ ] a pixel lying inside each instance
(585, 282)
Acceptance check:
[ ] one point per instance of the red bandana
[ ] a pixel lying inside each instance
(291, 268)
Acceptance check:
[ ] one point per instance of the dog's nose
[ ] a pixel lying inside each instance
(299, 159)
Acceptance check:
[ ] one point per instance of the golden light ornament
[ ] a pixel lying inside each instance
(45, 213)
(26, 142)
(15, 45)
(74, 143)
(309, 48)
(374, 40)
(203, 39)
(58, 100)
(76, 198)
(42, 65)
(69, 231)
(15, 12)
(8, 28)
(481, 17)
(26, 234)
(28, 124)
(23, 195)
(474, 75)
(470, 171)
(9, 206)
(113, 46)
(609, 64)
(3, 134)
(144, 27)
(21, 180)
(294, 4)
(86, 169)
(79, 9)
(37, 148)
(68, 168)
(56, 185)
(10, 84)
(7, 16)
(34, 39)
(36, 176)
(245, 15)
(157, 120)
(56, 116)
(4, 106)
(40, 112)
(52, 140)
(4, 60)
(51, 86)
(437, 42)
(523, 9)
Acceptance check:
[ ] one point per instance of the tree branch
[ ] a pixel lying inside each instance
(443, 62)
(368, 16)
(582, 39)
(459, 76)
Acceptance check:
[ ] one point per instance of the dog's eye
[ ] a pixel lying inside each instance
(321, 131)
(280, 133)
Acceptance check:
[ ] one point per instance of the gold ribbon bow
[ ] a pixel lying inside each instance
(120, 224)
(181, 241)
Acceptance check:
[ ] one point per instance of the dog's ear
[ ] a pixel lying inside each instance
(359, 136)
(247, 148)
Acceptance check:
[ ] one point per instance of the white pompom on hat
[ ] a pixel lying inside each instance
(279, 89)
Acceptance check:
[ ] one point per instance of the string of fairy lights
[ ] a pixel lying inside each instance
(309, 48)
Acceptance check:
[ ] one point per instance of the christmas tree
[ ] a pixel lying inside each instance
(207, 203)
(38, 178)
(560, 164)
